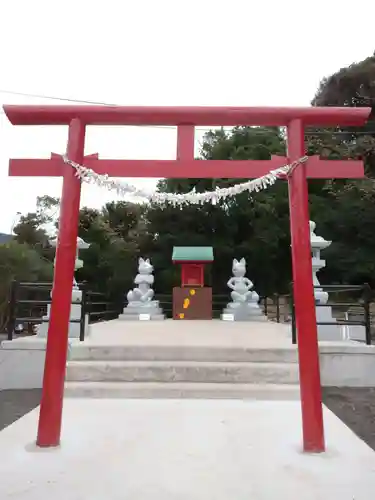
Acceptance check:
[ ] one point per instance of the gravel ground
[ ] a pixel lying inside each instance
(354, 406)
(14, 404)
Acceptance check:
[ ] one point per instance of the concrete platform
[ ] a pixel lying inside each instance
(190, 333)
(205, 359)
(193, 450)
(201, 358)
(22, 362)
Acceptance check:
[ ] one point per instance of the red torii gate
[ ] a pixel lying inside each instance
(78, 117)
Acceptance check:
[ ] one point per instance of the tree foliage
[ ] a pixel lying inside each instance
(20, 262)
(351, 211)
(114, 234)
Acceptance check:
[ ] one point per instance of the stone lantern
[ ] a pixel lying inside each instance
(323, 312)
(317, 245)
(76, 307)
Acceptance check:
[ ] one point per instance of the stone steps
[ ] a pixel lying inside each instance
(179, 371)
(154, 390)
(82, 352)
(182, 371)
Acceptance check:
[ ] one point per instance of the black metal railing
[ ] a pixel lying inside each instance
(100, 307)
(265, 303)
(28, 304)
(363, 302)
(277, 307)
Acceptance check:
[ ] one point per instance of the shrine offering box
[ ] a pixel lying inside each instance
(192, 303)
(192, 300)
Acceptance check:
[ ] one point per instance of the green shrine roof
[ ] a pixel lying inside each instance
(197, 254)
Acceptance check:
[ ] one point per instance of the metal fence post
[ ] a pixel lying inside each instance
(366, 306)
(292, 310)
(12, 309)
(82, 322)
(294, 327)
(278, 308)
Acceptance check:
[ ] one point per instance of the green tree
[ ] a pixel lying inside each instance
(351, 86)
(34, 228)
(348, 213)
(114, 234)
(21, 263)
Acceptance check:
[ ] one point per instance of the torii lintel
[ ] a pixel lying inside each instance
(316, 168)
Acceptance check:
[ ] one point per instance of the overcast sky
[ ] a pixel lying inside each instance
(161, 52)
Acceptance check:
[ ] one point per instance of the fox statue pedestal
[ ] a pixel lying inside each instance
(244, 305)
(140, 304)
(135, 311)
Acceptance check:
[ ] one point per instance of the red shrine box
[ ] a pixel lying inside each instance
(192, 300)
(192, 274)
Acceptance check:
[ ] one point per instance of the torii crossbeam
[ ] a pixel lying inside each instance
(78, 117)
(177, 169)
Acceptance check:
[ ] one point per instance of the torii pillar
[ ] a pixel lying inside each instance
(295, 119)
